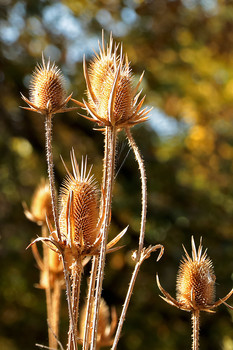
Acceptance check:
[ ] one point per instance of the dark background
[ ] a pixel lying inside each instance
(186, 50)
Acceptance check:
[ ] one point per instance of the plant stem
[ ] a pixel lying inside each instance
(141, 237)
(126, 304)
(196, 327)
(111, 134)
(143, 188)
(56, 297)
(90, 301)
(69, 301)
(49, 157)
(76, 282)
(48, 288)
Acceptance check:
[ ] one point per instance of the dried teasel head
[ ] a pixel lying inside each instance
(79, 207)
(112, 99)
(47, 90)
(106, 328)
(195, 283)
(196, 280)
(41, 206)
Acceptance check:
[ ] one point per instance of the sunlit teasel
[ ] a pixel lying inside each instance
(79, 207)
(47, 90)
(195, 283)
(112, 99)
(80, 223)
(41, 206)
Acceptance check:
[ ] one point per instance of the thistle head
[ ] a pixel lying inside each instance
(196, 280)
(112, 99)
(41, 206)
(47, 90)
(79, 207)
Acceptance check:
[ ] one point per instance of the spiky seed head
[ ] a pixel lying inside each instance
(79, 207)
(41, 205)
(196, 280)
(111, 95)
(47, 89)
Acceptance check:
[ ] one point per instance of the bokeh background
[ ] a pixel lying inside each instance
(186, 50)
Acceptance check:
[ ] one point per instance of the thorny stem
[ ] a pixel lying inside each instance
(76, 282)
(111, 134)
(126, 304)
(68, 291)
(144, 189)
(196, 327)
(49, 157)
(141, 237)
(56, 298)
(90, 301)
(48, 288)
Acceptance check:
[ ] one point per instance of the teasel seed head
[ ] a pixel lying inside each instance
(106, 328)
(47, 90)
(79, 207)
(112, 99)
(196, 280)
(41, 206)
(195, 283)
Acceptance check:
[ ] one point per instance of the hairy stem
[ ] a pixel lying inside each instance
(141, 237)
(56, 298)
(126, 304)
(76, 282)
(49, 157)
(90, 301)
(48, 288)
(144, 189)
(111, 134)
(196, 327)
(69, 301)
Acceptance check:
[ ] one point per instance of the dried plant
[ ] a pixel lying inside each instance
(79, 227)
(195, 288)
(51, 271)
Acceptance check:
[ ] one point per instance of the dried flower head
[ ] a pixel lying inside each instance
(41, 206)
(112, 99)
(79, 201)
(195, 283)
(47, 91)
(105, 328)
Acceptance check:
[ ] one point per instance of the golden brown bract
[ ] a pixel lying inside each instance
(195, 283)
(112, 99)
(47, 90)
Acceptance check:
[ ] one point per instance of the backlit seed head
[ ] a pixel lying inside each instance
(41, 205)
(79, 207)
(196, 280)
(112, 99)
(47, 87)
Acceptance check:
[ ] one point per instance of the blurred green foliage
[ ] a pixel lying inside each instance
(186, 50)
